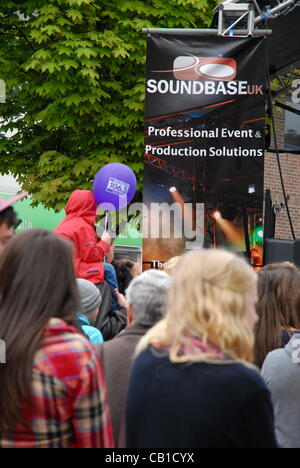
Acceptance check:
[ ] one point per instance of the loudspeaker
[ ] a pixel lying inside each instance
(297, 252)
(278, 250)
(281, 250)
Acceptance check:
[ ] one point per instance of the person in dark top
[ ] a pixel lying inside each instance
(126, 270)
(278, 309)
(146, 297)
(192, 384)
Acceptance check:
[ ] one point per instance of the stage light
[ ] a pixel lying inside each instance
(257, 235)
(217, 215)
(173, 189)
(251, 189)
(260, 233)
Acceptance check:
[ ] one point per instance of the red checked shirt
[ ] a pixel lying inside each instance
(69, 406)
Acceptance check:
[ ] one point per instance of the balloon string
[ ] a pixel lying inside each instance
(105, 229)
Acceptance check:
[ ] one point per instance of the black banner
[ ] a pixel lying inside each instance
(204, 144)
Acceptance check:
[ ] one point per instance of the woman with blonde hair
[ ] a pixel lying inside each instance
(192, 383)
(170, 266)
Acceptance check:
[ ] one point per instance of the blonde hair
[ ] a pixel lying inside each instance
(207, 301)
(170, 266)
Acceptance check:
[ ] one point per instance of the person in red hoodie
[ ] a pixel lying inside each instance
(78, 227)
(89, 253)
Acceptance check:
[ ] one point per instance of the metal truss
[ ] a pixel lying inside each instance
(235, 16)
(283, 82)
(214, 196)
(169, 169)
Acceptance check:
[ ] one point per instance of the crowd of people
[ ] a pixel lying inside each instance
(204, 354)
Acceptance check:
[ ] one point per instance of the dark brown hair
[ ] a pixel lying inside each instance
(9, 217)
(124, 273)
(278, 307)
(37, 283)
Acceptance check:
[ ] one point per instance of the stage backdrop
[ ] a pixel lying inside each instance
(204, 140)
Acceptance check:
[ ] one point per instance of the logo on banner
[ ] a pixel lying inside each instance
(117, 187)
(203, 75)
(193, 68)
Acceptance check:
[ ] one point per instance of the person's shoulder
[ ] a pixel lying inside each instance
(152, 358)
(248, 373)
(94, 335)
(236, 375)
(276, 355)
(66, 355)
(276, 362)
(122, 343)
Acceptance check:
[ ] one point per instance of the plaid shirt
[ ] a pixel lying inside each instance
(69, 406)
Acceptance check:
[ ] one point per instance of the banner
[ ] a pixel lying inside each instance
(204, 145)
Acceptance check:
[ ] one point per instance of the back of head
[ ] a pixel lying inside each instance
(37, 268)
(7, 213)
(207, 302)
(9, 217)
(124, 271)
(90, 296)
(37, 282)
(82, 203)
(147, 295)
(278, 307)
(8, 222)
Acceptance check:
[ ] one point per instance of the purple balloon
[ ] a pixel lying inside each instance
(114, 186)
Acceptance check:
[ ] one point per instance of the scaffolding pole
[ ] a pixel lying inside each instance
(202, 32)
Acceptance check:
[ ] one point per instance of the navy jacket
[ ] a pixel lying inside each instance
(197, 405)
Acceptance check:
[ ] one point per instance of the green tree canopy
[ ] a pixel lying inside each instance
(75, 79)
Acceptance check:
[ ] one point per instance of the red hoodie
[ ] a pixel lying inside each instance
(78, 227)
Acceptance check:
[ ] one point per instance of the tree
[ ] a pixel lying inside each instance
(74, 73)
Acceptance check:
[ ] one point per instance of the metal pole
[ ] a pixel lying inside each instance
(202, 32)
(274, 10)
(221, 20)
(246, 232)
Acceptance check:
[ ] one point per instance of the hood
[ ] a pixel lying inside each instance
(82, 204)
(293, 348)
(83, 320)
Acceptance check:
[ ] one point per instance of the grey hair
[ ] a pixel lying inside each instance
(148, 294)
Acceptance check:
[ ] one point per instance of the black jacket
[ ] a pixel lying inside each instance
(109, 322)
(197, 405)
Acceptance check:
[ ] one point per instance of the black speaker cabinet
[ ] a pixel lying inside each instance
(282, 250)
(297, 252)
